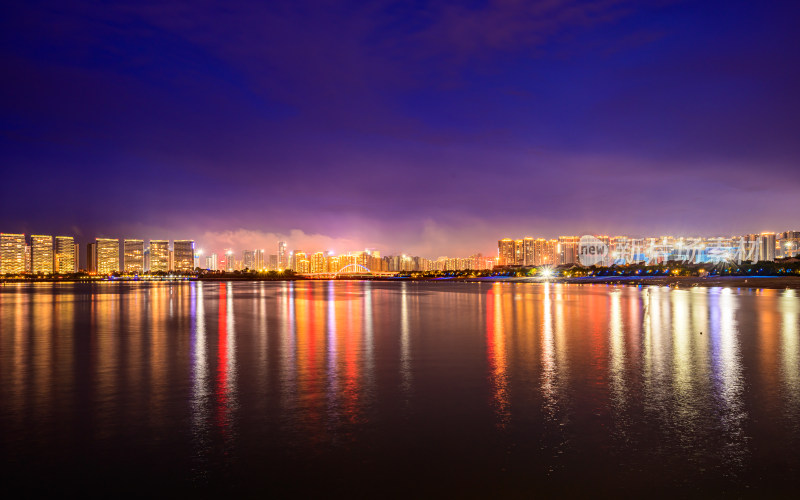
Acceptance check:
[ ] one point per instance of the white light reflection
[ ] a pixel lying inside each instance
(200, 390)
(617, 348)
(260, 311)
(333, 378)
(405, 343)
(548, 354)
(789, 305)
(369, 346)
(288, 360)
(727, 373)
(682, 374)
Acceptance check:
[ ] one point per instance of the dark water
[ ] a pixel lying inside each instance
(457, 389)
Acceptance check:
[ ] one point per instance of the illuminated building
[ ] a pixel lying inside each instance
(568, 249)
(12, 253)
(41, 254)
(133, 256)
(519, 253)
(66, 253)
(302, 265)
(318, 263)
(282, 262)
(789, 243)
(183, 256)
(528, 251)
(91, 257)
(107, 255)
(146, 259)
(230, 264)
(273, 262)
(544, 252)
(212, 262)
(505, 252)
(159, 256)
(248, 259)
(28, 258)
(766, 247)
(750, 247)
(259, 260)
(333, 264)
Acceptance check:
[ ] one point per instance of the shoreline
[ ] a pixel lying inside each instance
(756, 282)
(763, 282)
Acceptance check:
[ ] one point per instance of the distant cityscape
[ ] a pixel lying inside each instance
(622, 250)
(46, 254)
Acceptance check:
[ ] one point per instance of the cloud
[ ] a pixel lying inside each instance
(296, 239)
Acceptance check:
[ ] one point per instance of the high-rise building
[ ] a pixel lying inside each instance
(133, 256)
(229, 265)
(568, 249)
(107, 255)
(259, 263)
(789, 244)
(159, 256)
(301, 265)
(91, 257)
(146, 259)
(77, 257)
(248, 259)
(65, 255)
(41, 253)
(766, 247)
(540, 254)
(333, 263)
(528, 252)
(28, 259)
(519, 252)
(282, 262)
(273, 262)
(505, 252)
(212, 262)
(183, 255)
(318, 263)
(12, 253)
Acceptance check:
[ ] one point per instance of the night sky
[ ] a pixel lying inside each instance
(428, 128)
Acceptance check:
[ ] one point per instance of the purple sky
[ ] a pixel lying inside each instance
(430, 129)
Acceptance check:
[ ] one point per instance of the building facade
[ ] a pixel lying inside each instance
(505, 252)
(133, 256)
(107, 255)
(568, 249)
(282, 262)
(65, 255)
(12, 253)
(42, 254)
(183, 255)
(766, 246)
(159, 256)
(249, 259)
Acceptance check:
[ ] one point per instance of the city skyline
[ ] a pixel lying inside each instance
(416, 130)
(62, 254)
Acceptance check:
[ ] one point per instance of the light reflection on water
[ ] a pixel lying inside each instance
(522, 383)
